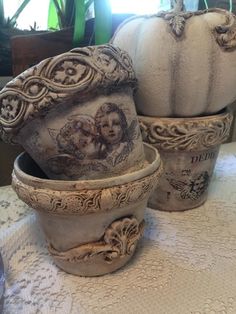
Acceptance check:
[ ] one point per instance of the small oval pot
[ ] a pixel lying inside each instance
(75, 114)
(92, 227)
(188, 148)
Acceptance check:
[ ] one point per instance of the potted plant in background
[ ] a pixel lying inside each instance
(8, 28)
(70, 25)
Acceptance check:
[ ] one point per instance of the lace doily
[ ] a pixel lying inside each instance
(186, 262)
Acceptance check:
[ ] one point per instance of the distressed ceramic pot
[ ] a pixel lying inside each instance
(75, 115)
(93, 226)
(2, 283)
(188, 148)
(184, 61)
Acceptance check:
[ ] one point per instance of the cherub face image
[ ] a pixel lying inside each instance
(110, 128)
(111, 124)
(83, 139)
(78, 137)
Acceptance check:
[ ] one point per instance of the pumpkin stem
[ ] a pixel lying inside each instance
(177, 5)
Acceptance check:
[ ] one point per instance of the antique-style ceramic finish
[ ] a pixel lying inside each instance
(185, 61)
(92, 227)
(2, 283)
(75, 115)
(188, 148)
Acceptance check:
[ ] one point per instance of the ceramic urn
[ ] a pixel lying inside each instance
(75, 115)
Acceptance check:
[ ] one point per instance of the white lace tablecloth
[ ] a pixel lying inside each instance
(186, 263)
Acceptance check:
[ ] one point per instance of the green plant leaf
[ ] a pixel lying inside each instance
(69, 13)
(53, 21)
(12, 20)
(79, 26)
(2, 17)
(103, 21)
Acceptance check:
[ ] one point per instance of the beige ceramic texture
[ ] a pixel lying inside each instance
(75, 115)
(189, 148)
(185, 62)
(92, 227)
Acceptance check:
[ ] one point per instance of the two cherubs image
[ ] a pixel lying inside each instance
(88, 141)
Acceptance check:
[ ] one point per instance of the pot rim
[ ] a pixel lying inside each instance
(222, 113)
(186, 134)
(153, 159)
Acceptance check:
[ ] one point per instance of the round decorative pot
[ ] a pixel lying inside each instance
(92, 227)
(75, 115)
(188, 148)
(184, 61)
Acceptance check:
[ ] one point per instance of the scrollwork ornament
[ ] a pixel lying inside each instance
(186, 134)
(119, 240)
(225, 34)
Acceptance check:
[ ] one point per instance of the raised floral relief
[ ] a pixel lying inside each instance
(89, 141)
(193, 188)
(69, 72)
(10, 108)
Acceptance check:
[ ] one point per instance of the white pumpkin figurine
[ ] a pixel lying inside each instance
(185, 62)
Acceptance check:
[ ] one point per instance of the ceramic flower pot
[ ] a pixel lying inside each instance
(92, 227)
(188, 148)
(75, 114)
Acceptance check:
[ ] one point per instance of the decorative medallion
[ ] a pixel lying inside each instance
(119, 240)
(193, 188)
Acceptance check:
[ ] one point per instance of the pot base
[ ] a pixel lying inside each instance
(185, 182)
(188, 148)
(113, 251)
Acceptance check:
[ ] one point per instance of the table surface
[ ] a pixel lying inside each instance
(186, 262)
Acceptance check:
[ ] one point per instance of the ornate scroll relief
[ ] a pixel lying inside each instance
(186, 134)
(119, 240)
(72, 76)
(225, 34)
(85, 201)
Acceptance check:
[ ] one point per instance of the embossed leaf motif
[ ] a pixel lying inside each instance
(177, 24)
(123, 235)
(187, 136)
